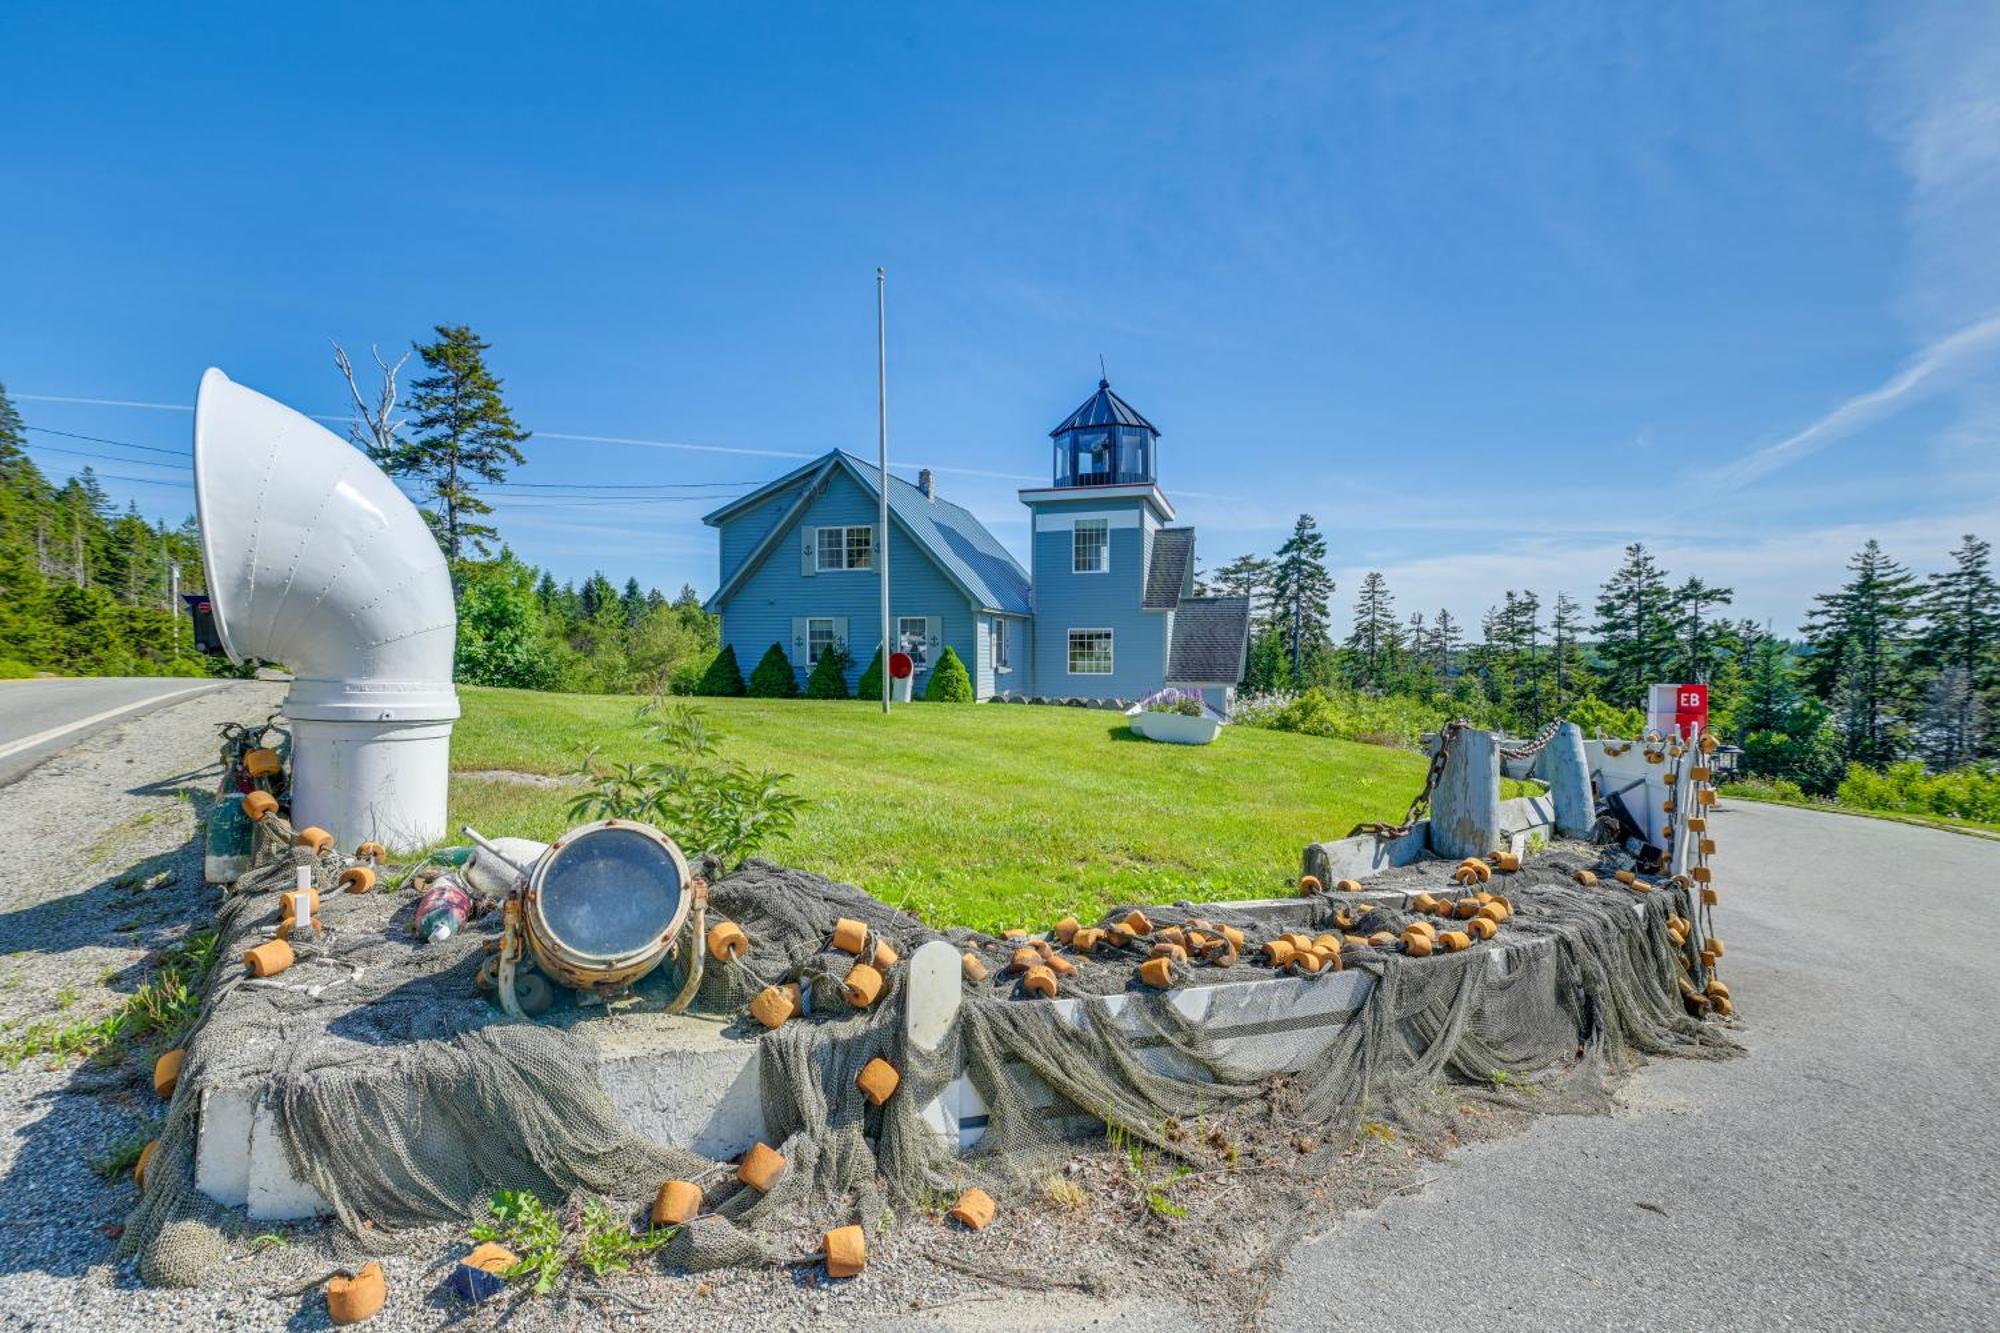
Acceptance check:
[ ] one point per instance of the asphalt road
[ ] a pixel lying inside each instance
(39, 718)
(1845, 1174)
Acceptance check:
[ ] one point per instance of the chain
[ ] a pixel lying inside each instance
(1535, 746)
(1421, 806)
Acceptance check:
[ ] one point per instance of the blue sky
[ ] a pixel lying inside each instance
(1491, 290)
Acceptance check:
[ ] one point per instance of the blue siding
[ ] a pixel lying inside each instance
(1066, 600)
(740, 535)
(1015, 680)
(761, 610)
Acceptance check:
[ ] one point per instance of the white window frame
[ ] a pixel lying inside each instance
(1110, 658)
(1003, 649)
(926, 661)
(832, 638)
(844, 547)
(1102, 529)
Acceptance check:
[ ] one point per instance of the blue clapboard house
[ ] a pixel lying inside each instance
(1106, 611)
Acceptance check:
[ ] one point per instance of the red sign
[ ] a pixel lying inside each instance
(900, 666)
(1691, 708)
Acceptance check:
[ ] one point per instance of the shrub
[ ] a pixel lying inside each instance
(1346, 715)
(10, 669)
(774, 677)
(829, 677)
(723, 679)
(1594, 717)
(870, 684)
(1905, 788)
(948, 683)
(1171, 700)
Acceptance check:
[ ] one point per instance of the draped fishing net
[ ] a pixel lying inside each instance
(405, 1097)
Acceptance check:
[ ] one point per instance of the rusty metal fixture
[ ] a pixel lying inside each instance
(605, 905)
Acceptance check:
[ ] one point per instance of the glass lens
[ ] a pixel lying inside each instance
(610, 892)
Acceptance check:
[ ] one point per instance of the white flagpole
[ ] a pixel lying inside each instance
(882, 416)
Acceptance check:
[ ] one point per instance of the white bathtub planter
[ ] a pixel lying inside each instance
(1160, 717)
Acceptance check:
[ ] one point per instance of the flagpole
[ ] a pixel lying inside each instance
(882, 419)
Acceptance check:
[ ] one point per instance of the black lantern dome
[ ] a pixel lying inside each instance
(1105, 442)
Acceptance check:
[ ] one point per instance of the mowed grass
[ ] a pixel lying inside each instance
(984, 815)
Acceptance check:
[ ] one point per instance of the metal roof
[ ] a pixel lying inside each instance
(1104, 408)
(1211, 641)
(1173, 556)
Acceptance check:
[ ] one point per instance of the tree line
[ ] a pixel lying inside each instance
(1886, 668)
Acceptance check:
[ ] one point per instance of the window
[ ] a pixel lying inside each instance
(819, 638)
(1091, 550)
(913, 636)
(846, 548)
(1090, 652)
(1002, 660)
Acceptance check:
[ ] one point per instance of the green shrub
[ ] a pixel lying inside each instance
(829, 676)
(723, 679)
(1347, 715)
(774, 677)
(1594, 717)
(1963, 793)
(948, 683)
(11, 669)
(870, 685)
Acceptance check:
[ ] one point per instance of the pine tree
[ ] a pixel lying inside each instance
(1861, 649)
(1376, 640)
(1949, 728)
(870, 684)
(1698, 637)
(1524, 640)
(1566, 652)
(1770, 688)
(724, 678)
(949, 682)
(1444, 645)
(1246, 576)
(1635, 627)
(1300, 591)
(464, 435)
(828, 679)
(1962, 608)
(632, 602)
(774, 677)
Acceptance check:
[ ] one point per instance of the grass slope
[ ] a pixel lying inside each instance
(984, 816)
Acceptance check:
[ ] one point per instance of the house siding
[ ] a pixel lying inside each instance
(740, 535)
(1066, 600)
(762, 609)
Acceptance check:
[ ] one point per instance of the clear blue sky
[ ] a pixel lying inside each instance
(1490, 290)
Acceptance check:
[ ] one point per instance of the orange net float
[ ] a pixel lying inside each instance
(1171, 952)
(1585, 878)
(1042, 981)
(257, 804)
(974, 970)
(677, 1202)
(1015, 934)
(167, 1072)
(1279, 952)
(262, 763)
(1417, 944)
(1480, 928)
(1707, 846)
(1157, 972)
(1021, 960)
(1697, 824)
(1347, 886)
(727, 942)
(974, 1210)
(1713, 947)
(1170, 935)
(1701, 875)
(774, 1006)
(878, 1081)
(846, 1252)
(1451, 941)
(1707, 797)
(1059, 965)
(886, 956)
(1625, 877)
(863, 985)
(144, 1164)
(1424, 902)
(1086, 939)
(357, 879)
(850, 936)
(352, 1298)
(761, 1167)
(1066, 929)
(1326, 942)
(1234, 936)
(1506, 861)
(373, 852)
(269, 958)
(1495, 912)
(1722, 1005)
(1466, 908)
(1135, 923)
(1307, 961)
(1709, 897)
(1382, 939)
(1466, 875)
(313, 837)
(1308, 885)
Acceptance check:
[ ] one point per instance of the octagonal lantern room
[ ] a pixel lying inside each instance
(1105, 442)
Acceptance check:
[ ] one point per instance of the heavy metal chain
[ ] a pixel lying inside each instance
(1535, 746)
(1421, 806)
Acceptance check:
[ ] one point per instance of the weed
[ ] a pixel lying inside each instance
(124, 1156)
(270, 1240)
(1376, 1130)
(607, 1245)
(531, 1229)
(66, 997)
(1064, 1193)
(165, 1007)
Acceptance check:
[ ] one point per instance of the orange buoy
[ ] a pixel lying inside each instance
(1157, 972)
(974, 1210)
(1423, 902)
(1697, 824)
(144, 1164)
(1465, 875)
(1701, 874)
(1234, 936)
(761, 1167)
(1382, 939)
(886, 956)
(269, 959)
(774, 1005)
(846, 1252)
(863, 985)
(371, 851)
(850, 936)
(1347, 886)
(1173, 952)
(1326, 943)
(257, 804)
(1059, 965)
(678, 1201)
(1585, 878)
(1417, 944)
(1021, 960)
(1451, 941)
(1066, 929)
(1495, 911)
(262, 763)
(878, 1081)
(495, 1258)
(1041, 981)
(1135, 923)
(1714, 946)
(1507, 861)
(1308, 885)
(1015, 934)
(354, 1297)
(1466, 908)
(727, 942)
(167, 1072)
(1298, 939)
(1171, 935)
(1307, 961)
(1625, 877)
(1709, 897)
(1480, 928)
(314, 837)
(1279, 952)
(1086, 939)
(357, 879)
(974, 969)
(1707, 846)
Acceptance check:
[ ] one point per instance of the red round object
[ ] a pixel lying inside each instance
(900, 666)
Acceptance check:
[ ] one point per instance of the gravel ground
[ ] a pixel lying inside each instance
(88, 835)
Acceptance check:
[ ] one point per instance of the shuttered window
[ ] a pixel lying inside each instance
(846, 548)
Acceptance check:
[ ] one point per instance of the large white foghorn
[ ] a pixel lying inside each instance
(317, 561)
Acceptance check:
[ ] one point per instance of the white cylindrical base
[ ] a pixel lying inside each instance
(372, 781)
(900, 688)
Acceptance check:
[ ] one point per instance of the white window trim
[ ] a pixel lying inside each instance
(1001, 639)
(1098, 524)
(1111, 653)
(832, 636)
(819, 548)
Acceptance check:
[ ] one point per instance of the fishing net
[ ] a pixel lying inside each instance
(404, 1097)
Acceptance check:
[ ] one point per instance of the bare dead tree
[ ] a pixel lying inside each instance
(377, 430)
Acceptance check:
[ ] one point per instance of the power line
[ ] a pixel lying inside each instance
(123, 444)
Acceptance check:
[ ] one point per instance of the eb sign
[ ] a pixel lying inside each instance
(1691, 708)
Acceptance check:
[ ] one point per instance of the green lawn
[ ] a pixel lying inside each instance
(977, 815)
(1757, 791)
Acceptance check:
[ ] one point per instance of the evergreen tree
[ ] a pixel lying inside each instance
(1246, 576)
(724, 678)
(1444, 645)
(1949, 728)
(870, 684)
(464, 435)
(1376, 642)
(1770, 688)
(1635, 628)
(949, 682)
(1301, 588)
(1961, 606)
(774, 677)
(632, 602)
(829, 675)
(1267, 671)
(1523, 625)
(1861, 654)
(1699, 639)
(1566, 652)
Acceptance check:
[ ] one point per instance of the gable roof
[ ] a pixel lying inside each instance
(1173, 556)
(958, 543)
(1211, 642)
(1104, 408)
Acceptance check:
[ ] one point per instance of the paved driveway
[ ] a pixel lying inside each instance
(39, 718)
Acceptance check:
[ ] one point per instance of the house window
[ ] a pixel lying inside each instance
(1090, 652)
(846, 548)
(1002, 659)
(1092, 546)
(819, 638)
(913, 636)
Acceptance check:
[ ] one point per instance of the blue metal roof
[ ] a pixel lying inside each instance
(1104, 408)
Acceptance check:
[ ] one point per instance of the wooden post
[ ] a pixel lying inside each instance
(1564, 766)
(1465, 808)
